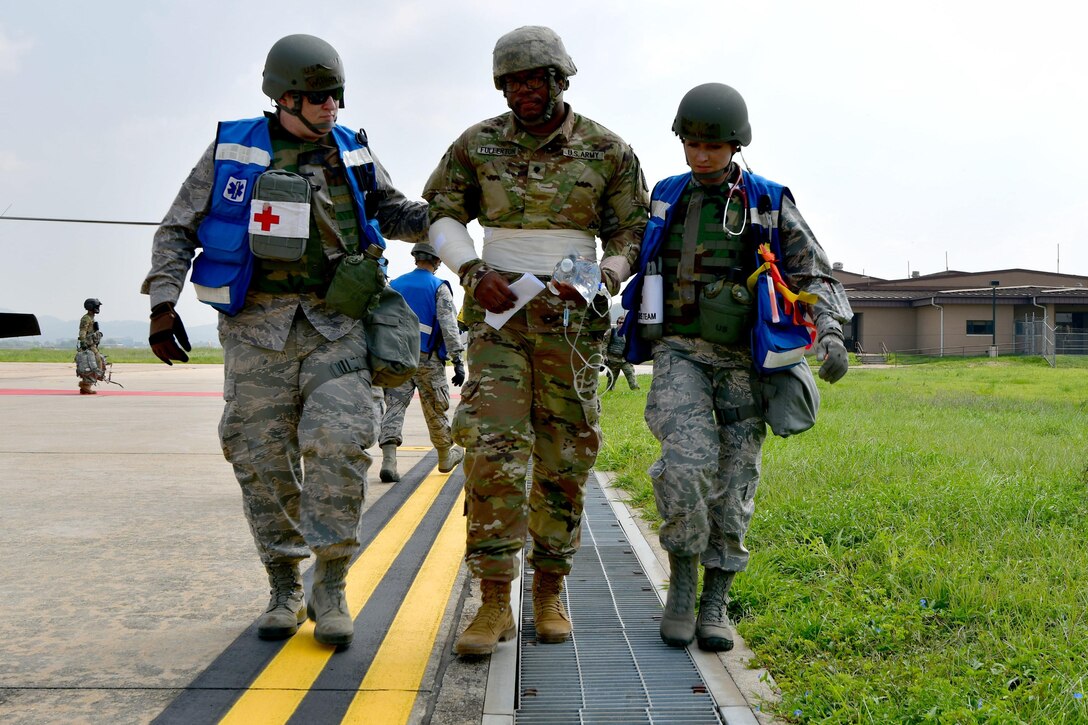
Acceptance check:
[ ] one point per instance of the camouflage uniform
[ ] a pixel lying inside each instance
(701, 405)
(430, 380)
(273, 347)
(89, 337)
(521, 398)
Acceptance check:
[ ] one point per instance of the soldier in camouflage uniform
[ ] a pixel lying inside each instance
(544, 182)
(89, 338)
(614, 359)
(701, 405)
(297, 388)
(432, 300)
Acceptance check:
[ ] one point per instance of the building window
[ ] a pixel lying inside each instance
(980, 327)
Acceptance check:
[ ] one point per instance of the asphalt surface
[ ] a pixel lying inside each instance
(130, 571)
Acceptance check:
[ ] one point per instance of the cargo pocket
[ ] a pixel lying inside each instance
(465, 427)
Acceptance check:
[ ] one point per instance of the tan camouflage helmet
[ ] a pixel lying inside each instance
(302, 63)
(528, 47)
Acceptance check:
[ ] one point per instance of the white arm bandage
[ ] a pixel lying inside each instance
(452, 242)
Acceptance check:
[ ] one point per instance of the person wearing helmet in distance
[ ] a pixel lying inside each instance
(701, 405)
(89, 338)
(431, 298)
(544, 182)
(274, 205)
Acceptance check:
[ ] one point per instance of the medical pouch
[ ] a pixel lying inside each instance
(725, 312)
(778, 340)
(279, 220)
(355, 285)
(392, 340)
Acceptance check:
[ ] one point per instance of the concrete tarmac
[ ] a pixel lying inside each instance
(129, 564)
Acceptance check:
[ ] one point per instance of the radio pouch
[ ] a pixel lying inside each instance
(279, 218)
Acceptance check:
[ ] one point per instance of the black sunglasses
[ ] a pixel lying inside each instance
(318, 97)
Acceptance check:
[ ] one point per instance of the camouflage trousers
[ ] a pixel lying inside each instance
(711, 435)
(434, 397)
(520, 402)
(615, 366)
(302, 464)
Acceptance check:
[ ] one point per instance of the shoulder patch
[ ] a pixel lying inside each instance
(590, 155)
(496, 150)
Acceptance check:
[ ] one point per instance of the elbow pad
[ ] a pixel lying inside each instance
(453, 243)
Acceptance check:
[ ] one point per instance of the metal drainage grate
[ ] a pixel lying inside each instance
(614, 669)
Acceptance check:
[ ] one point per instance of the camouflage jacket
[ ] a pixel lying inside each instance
(89, 336)
(266, 318)
(582, 177)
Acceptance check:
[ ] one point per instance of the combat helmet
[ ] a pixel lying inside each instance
(425, 249)
(302, 63)
(528, 47)
(713, 112)
(92, 304)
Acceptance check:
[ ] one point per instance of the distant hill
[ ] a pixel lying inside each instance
(115, 333)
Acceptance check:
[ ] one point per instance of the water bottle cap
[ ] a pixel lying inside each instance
(566, 264)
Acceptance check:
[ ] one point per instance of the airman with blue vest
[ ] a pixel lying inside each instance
(691, 311)
(274, 206)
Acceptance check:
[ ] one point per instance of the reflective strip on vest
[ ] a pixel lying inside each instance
(358, 157)
(242, 154)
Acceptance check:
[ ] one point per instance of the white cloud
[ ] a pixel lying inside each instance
(12, 51)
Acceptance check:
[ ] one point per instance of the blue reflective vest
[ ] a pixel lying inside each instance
(419, 289)
(243, 151)
(764, 200)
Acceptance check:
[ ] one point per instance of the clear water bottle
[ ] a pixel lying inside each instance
(583, 274)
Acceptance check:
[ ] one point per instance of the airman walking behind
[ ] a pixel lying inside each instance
(277, 206)
(90, 365)
(701, 245)
(544, 182)
(439, 339)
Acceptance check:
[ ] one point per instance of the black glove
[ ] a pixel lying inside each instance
(167, 333)
(458, 372)
(831, 354)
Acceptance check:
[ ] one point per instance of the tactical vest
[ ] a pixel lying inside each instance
(713, 254)
(420, 289)
(224, 269)
(759, 192)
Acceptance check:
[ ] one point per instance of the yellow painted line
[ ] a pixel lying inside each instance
(389, 690)
(276, 693)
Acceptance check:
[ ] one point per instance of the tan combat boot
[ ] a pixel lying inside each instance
(552, 622)
(389, 464)
(285, 611)
(494, 622)
(678, 619)
(328, 605)
(714, 630)
(449, 458)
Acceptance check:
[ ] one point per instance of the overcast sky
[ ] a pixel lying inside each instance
(916, 136)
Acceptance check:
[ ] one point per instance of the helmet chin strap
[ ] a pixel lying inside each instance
(554, 92)
(296, 111)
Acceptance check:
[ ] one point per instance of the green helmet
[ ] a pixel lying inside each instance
(713, 112)
(301, 63)
(424, 248)
(528, 47)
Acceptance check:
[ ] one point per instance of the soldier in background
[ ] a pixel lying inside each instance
(299, 411)
(701, 405)
(614, 360)
(89, 338)
(543, 182)
(431, 298)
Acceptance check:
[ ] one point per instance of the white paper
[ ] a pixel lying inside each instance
(525, 289)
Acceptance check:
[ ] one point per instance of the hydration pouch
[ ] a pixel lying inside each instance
(725, 312)
(279, 219)
(355, 286)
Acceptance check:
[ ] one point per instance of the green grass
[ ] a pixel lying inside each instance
(919, 556)
(199, 355)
